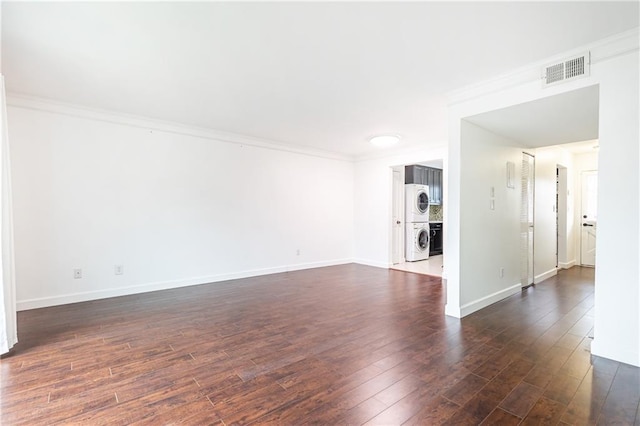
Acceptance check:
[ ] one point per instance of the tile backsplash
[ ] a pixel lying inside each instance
(435, 213)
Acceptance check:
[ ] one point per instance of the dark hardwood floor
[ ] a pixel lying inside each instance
(341, 345)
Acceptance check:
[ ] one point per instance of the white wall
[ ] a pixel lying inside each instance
(1, 37)
(494, 233)
(617, 296)
(615, 70)
(173, 209)
(372, 195)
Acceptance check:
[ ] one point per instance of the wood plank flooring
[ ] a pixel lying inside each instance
(348, 344)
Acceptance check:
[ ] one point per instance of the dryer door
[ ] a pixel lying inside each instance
(422, 201)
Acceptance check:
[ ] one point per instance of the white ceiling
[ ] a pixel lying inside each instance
(321, 75)
(583, 147)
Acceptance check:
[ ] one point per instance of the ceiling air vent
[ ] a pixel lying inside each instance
(569, 69)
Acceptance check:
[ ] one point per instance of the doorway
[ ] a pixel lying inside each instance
(401, 235)
(562, 229)
(527, 219)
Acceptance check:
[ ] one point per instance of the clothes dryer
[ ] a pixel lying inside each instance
(416, 203)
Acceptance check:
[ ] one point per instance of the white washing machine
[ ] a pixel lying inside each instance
(416, 203)
(417, 241)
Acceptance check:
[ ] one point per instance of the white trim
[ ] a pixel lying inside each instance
(401, 151)
(541, 277)
(567, 265)
(312, 265)
(47, 105)
(43, 302)
(375, 263)
(616, 45)
(20, 100)
(610, 47)
(629, 356)
(483, 302)
(452, 311)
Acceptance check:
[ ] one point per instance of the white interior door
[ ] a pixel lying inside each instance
(589, 218)
(397, 215)
(526, 219)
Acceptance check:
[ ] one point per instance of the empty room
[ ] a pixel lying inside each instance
(382, 213)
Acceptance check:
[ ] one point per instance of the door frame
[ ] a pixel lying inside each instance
(531, 223)
(396, 253)
(562, 223)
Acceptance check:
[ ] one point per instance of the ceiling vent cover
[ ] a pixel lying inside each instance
(569, 69)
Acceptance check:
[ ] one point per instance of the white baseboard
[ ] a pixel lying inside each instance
(629, 356)
(311, 265)
(567, 265)
(375, 263)
(541, 277)
(43, 302)
(483, 302)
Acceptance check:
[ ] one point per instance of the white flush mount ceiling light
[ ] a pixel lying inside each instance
(384, 140)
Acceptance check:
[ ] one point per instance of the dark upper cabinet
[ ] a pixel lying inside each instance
(414, 174)
(435, 183)
(426, 176)
(409, 174)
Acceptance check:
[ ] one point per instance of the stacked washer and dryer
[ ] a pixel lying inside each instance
(416, 222)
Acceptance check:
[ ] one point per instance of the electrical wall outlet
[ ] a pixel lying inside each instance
(501, 272)
(77, 273)
(118, 269)
(298, 252)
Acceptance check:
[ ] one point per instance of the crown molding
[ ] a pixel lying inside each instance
(413, 149)
(601, 50)
(19, 100)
